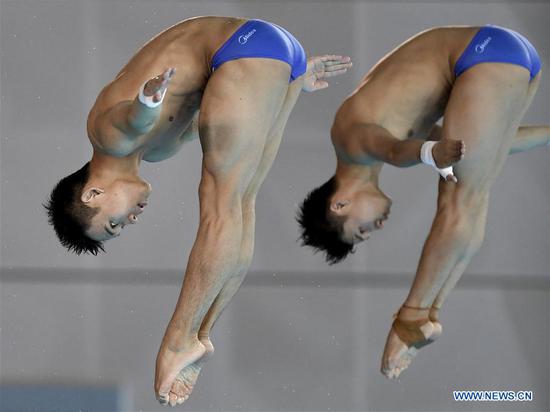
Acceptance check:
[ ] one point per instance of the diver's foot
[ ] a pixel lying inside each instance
(437, 332)
(410, 331)
(170, 361)
(438, 328)
(187, 377)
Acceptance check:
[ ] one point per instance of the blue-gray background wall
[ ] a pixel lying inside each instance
(300, 335)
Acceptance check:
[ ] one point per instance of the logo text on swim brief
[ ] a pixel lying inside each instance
(244, 38)
(480, 47)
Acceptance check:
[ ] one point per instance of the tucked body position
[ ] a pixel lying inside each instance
(480, 80)
(230, 82)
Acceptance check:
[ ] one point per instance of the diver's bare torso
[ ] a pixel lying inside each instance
(188, 47)
(407, 91)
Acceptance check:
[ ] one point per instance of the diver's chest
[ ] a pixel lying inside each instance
(415, 119)
(175, 118)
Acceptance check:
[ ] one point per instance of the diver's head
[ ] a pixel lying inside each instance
(85, 213)
(334, 218)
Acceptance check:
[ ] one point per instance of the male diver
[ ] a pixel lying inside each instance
(481, 80)
(232, 83)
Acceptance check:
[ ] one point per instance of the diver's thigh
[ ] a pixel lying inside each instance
(485, 108)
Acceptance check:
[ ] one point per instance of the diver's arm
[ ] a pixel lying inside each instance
(134, 118)
(379, 143)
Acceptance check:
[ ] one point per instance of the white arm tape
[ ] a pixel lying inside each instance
(148, 100)
(427, 158)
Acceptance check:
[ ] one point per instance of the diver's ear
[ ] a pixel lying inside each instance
(89, 194)
(339, 206)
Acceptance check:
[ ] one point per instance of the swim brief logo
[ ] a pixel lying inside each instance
(480, 47)
(244, 38)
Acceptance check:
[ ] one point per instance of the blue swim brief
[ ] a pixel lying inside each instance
(493, 44)
(257, 38)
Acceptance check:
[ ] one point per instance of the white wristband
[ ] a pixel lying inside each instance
(427, 158)
(148, 100)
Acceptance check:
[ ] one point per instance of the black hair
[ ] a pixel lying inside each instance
(318, 230)
(69, 216)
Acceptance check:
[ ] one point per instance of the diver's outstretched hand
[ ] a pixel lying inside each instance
(320, 68)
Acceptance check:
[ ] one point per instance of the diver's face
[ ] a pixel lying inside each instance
(364, 212)
(119, 204)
